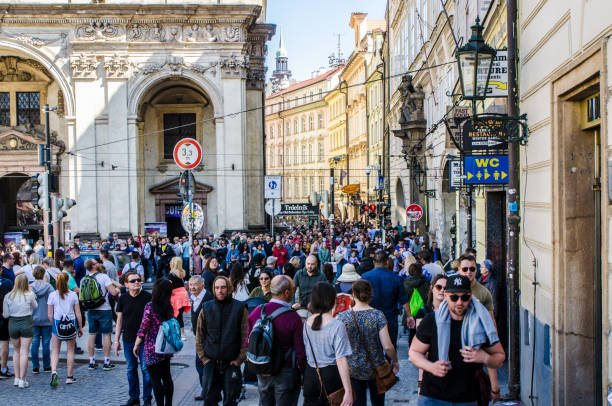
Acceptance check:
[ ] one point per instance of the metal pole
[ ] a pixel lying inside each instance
(514, 367)
(191, 222)
(380, 200)
(469, 218)
(272, 225)
(331, 215)
(48, 215)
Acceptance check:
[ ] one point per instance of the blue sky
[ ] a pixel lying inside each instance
(308, 30)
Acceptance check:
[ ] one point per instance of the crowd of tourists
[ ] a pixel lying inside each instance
(315, 311)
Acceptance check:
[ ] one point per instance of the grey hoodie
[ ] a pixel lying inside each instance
(42, 290)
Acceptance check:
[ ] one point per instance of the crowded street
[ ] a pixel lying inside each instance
(306, 203)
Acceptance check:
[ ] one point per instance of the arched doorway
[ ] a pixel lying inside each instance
(170, 110)
(400, 202)
(17, 212)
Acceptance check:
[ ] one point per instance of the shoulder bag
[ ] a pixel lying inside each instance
(334, 399)
(383, 374)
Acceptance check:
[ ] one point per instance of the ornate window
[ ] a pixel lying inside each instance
(320, 151)
(176, 127)
(320, 120)
(5, 108)
(303, 124)
(311, 122)
(28, 108)
(295, 126)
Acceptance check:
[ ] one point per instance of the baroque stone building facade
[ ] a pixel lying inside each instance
(129, 81)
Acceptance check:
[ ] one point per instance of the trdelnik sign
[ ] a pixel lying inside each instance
(298, 209)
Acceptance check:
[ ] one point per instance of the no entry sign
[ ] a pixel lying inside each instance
(414, 212)
(187, 153)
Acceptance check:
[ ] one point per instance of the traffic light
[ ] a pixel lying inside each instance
(58, 204)
(40, 192)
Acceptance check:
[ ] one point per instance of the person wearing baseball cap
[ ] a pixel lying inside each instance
(452, 345)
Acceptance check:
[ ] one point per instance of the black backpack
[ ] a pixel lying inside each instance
(263, 356)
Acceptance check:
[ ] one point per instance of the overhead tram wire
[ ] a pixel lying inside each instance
(251, 110)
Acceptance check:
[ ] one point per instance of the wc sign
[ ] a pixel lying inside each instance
(272, 187)
(486, 169)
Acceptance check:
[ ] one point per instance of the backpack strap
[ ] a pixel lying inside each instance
(279, 311)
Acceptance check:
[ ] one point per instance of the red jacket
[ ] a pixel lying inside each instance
(281, 254)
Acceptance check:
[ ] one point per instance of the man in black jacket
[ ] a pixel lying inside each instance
(198, 295)
(220, 337)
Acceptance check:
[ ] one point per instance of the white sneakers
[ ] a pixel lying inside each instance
(20, 383)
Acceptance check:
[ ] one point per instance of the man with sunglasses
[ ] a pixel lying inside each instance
(130, 309)
(455, 382)
(469, 269)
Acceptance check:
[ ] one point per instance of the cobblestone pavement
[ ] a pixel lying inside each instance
(111, 388)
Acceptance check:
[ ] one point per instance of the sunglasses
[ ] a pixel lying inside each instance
(469, 268)
(439, 287)
(264, 279)
(464, 298)
(135, 281)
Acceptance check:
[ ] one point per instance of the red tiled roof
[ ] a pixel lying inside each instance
(305, 83)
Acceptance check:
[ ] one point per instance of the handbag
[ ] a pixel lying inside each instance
(335, 398)
(66, 329)
(484, 385)
(383, 374)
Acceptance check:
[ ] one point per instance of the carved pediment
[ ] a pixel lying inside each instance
(16, 69)
(172, 187)
(13, 139)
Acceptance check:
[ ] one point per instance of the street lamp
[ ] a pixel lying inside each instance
(475, 60)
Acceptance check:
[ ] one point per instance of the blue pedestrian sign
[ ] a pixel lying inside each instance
(272, 186)
(486, 169)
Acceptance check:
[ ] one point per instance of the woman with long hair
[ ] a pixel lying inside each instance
(62, 305)
(367, 327)
(18, 306)
(156, 312)
(59, 257)
(180, 298)
(263, 290)
(239, 281)
(327, 348)
(211, 271)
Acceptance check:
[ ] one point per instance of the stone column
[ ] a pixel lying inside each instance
(220, 220)
(89, 97)
(120, 196)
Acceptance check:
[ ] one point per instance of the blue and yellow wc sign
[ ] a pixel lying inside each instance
(485, 169)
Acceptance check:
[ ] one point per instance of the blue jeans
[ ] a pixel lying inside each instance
(45, 333)
(427, 401)
(132, 372)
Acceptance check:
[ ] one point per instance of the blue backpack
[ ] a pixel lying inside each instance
(168, 340)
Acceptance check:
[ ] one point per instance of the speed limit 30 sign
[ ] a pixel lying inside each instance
(187, 153)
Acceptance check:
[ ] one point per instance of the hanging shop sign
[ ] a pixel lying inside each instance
(454, 175)
(484, 135)
(298, 209)
(351, 189)
(486, 169)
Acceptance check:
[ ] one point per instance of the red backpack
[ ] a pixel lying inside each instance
(344, 302)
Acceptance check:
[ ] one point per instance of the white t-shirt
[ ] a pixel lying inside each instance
(133, 266)
(27, 269)
(104, 282)
(63, 306)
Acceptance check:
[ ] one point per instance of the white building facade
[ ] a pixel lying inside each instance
(130, 80)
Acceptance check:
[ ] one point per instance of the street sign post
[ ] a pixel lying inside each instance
(414, 212)
(272, 207)
(273, 186)
(486, 169)
(187, 153)
(194, 222)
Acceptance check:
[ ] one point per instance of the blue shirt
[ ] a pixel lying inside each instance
(79, 269)
(8, 273)
(388, 292)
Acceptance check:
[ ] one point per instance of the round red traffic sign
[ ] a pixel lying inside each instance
(414, 212)
(187, 153)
